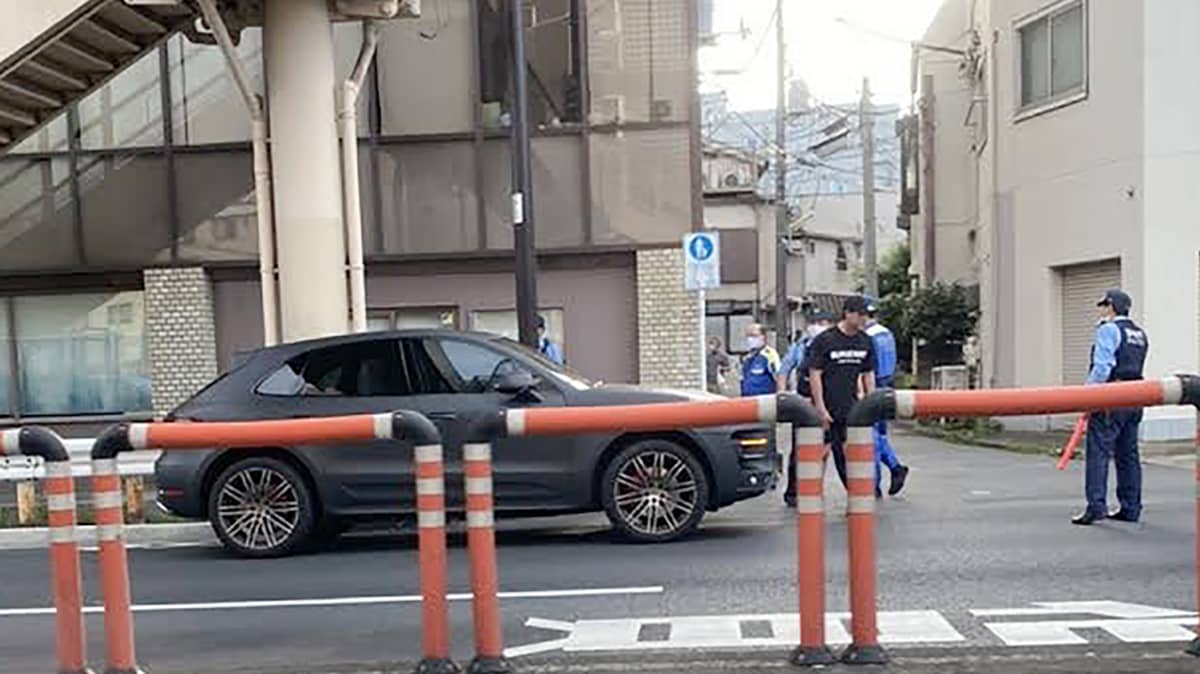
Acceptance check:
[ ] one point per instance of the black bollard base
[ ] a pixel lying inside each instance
(812, 656)
(864, 655)
(481, 665)
(1194, 647)
(437, 666)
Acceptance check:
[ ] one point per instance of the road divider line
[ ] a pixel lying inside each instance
(344, 601)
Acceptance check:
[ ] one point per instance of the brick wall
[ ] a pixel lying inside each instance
(668, 322)
(180, 334)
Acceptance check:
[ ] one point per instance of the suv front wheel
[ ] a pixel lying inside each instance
(654, 491)
(261, 507)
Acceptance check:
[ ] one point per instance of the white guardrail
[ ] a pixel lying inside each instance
(30, 467)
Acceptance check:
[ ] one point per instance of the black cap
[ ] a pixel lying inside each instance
(855, 305)
(822, 316)
(1118, 300)
(542, 322)
(872, 304)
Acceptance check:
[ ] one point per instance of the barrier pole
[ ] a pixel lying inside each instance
(864, 648)
(1194, 647)
(431, 524)
(481, 544)
(66, 579)
(114, 567)
(810, 547)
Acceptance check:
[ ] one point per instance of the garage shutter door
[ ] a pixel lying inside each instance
(1082, 285)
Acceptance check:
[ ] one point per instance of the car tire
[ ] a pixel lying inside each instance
(654, 491)
(262, 507)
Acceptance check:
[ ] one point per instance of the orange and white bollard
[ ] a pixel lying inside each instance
(66, 579)
(864, 648)
(431, 524)
(810, 546)
(481, 544)
(1194, 647)
(114, 568)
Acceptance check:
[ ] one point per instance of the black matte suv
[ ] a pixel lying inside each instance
(272, 501)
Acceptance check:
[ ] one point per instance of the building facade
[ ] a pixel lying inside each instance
(128, 242)
(1060, 147)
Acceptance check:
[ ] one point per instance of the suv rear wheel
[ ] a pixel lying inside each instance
(261, 507)
(654, 491)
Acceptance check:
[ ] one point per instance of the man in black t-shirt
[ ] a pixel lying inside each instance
(841, 364)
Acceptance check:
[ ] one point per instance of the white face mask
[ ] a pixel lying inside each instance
(755, 342)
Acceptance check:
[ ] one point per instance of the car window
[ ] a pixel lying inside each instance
(424, 375)
(361, 369)
(473, 367)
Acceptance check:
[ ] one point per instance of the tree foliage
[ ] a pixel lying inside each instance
(939, 314)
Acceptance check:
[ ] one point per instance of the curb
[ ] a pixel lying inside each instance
(191, 533)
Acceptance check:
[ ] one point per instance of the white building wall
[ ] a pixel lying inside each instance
(1170, 200)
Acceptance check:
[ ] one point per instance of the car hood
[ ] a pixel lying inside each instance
(622, 394)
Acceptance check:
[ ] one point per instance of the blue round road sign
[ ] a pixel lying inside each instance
(701, 247)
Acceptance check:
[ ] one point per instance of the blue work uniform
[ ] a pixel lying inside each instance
(885, 377)
(1118, 354)
(794, 357)
(759, 370)
(550, 350)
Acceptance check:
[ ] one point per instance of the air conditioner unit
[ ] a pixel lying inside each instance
(609, 109)
(949, 378)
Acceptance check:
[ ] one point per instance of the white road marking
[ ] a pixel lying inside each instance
(344, 601)
(1130, 623)
(725, 631)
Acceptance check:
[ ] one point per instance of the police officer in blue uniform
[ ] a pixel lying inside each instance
(797, 359)
(760, 365)
(885, 377)
(1118, 354)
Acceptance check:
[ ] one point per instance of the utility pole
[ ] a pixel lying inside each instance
(866, 121)
(929, 212)
(522, 186)
(782, 312)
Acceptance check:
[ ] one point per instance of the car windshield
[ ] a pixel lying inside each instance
(562, 373)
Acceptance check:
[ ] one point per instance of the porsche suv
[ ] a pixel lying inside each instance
(272, 501)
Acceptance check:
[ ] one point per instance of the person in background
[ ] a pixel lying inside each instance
(760, 364)
(546, 346)
(885, 377)
(716, 366)
(1118, 354)
(797, 359)
(841, 363)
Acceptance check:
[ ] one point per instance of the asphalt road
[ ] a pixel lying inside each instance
(977, 534)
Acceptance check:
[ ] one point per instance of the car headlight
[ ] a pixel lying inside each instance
(752, 443)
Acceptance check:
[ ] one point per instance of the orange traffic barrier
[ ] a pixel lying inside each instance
(864, 648)
(1049, 400)
(481, 548)
(1176, 390)
(279, 432)
(114, 564)
(1194, 647)
(654, 417)
(66, 579)
(431, 527)
(114, 567)
(810, 547)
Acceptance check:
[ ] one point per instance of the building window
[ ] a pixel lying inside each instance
(504, 322)
(412, 318)
(842, 264)
(75, 354)
(1053, 53)
(552, 55)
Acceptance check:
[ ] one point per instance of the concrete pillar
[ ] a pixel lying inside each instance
(299, 55)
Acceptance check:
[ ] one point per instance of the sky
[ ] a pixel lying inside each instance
(831, 45)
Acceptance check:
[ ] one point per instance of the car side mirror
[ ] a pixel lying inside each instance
(517, 383)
